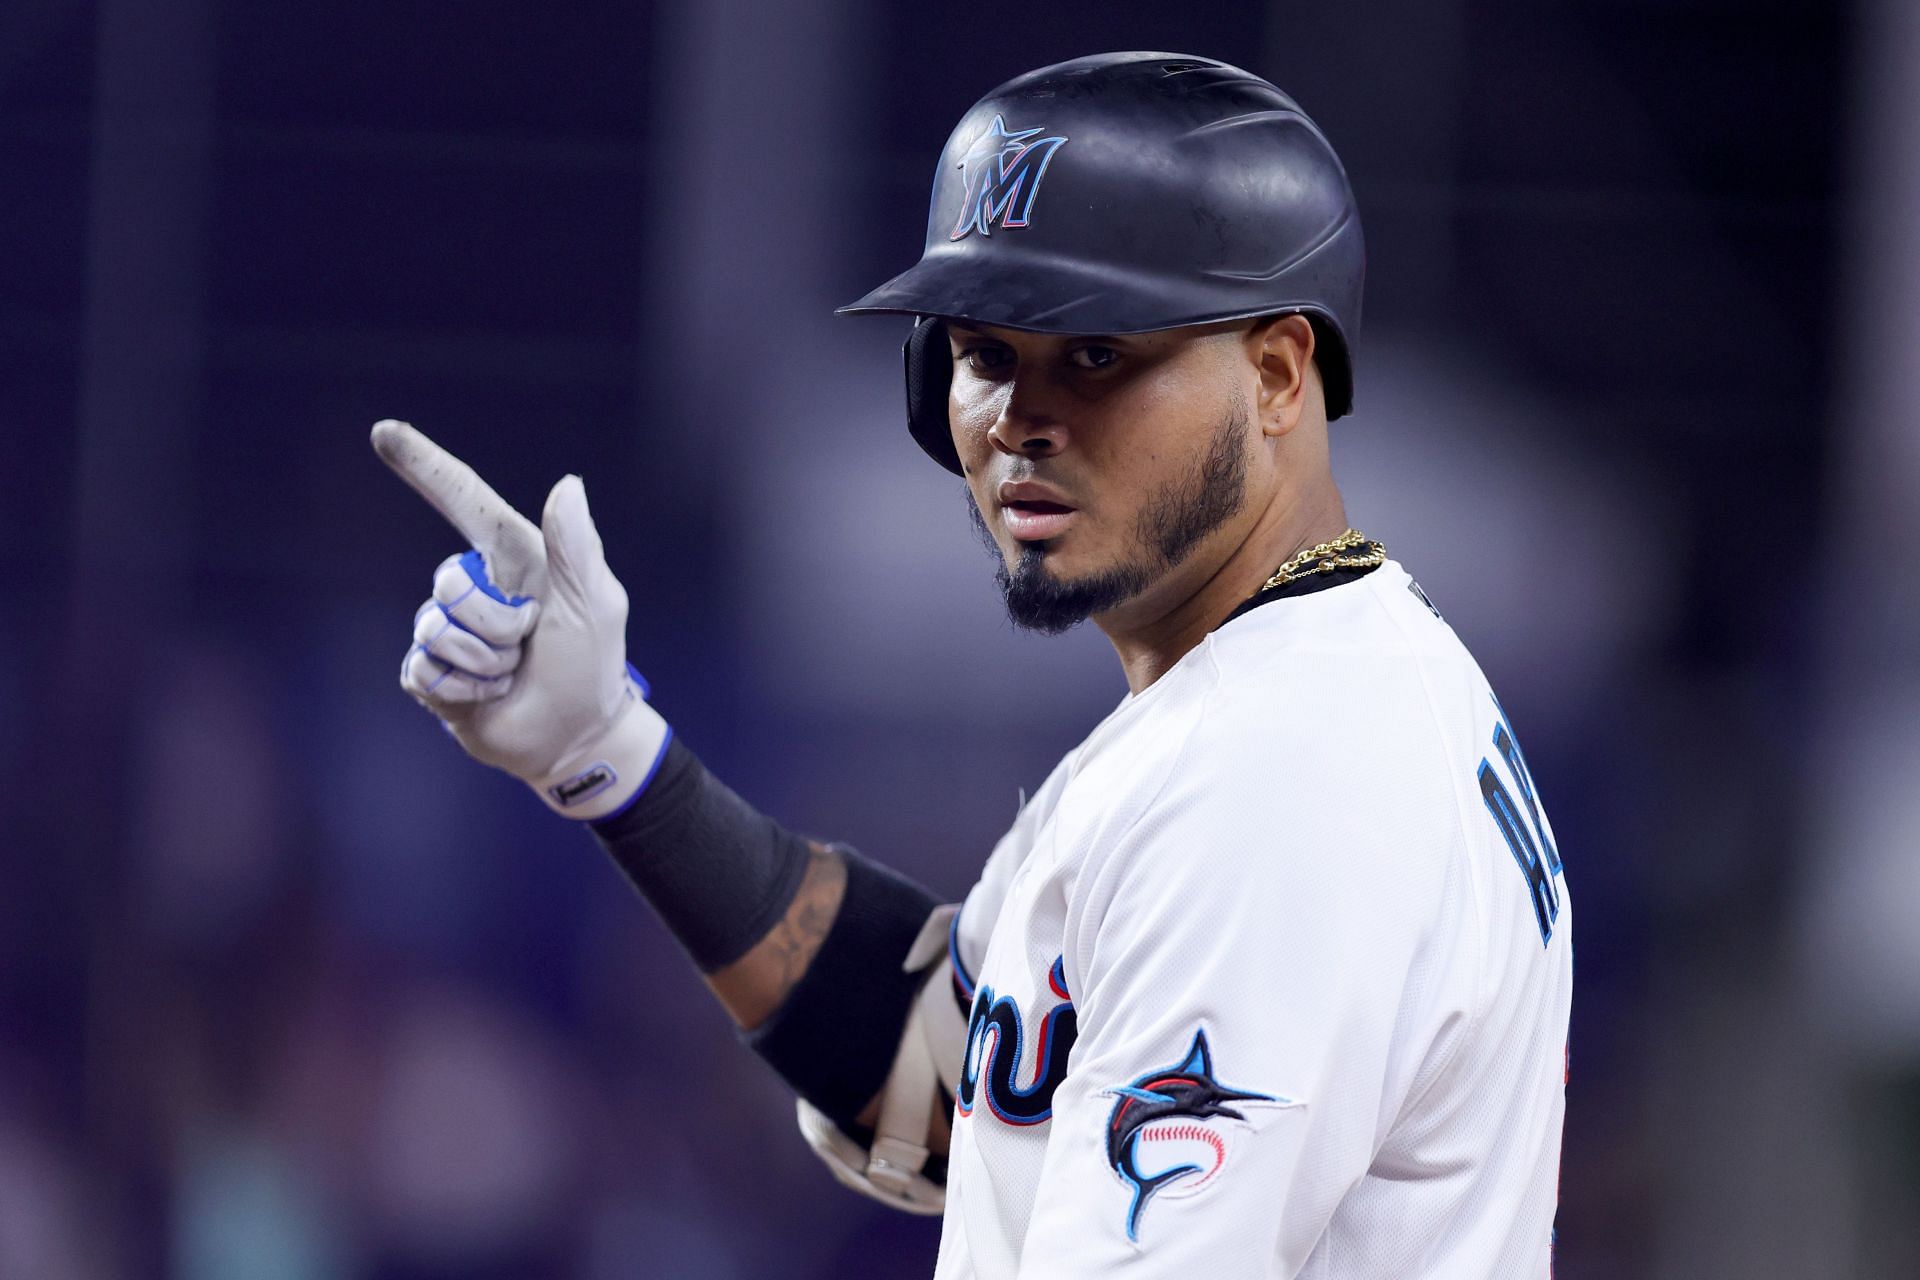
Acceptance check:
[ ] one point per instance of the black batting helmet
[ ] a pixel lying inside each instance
(1123, 193)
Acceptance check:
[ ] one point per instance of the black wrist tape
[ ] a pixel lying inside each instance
(835, 1036)
(720, 873)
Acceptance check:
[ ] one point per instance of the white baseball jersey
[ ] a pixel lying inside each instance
(1271, 978)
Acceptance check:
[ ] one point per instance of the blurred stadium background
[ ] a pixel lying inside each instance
(290, 989)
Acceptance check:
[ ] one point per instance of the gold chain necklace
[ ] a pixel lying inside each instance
(1326, 557)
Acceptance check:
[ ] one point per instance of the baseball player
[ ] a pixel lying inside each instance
(1271, 977)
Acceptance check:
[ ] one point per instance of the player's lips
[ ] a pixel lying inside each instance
(1034, 511)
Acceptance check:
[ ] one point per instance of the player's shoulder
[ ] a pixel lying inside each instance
(1363, 668)
(1356, 705)
(1385, 614)
(1298, 761)
(1339, 721)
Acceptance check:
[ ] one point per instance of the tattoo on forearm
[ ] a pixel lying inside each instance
(795, 941)
(753, 986)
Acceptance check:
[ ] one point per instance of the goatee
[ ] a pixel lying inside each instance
(1185, 511)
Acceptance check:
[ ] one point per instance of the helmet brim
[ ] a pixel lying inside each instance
(1045, 293)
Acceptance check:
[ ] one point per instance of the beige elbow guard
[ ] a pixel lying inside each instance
(926, 1070)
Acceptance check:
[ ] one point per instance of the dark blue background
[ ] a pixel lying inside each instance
(288, 987)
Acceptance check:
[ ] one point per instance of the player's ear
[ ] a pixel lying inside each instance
(1283, 348)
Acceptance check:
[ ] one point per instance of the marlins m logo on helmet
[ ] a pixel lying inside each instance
(1001, 175)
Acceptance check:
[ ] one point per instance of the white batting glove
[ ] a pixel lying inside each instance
(521, 649)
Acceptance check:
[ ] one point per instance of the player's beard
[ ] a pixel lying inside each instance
(1172, 523)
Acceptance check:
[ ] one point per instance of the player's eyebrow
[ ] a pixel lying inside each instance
(1111, 339)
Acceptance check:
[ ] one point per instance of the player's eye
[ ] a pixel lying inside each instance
(1093, 356)
(985, 357)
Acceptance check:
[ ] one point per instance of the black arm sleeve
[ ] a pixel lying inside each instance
(722, 874)
(835, 1037)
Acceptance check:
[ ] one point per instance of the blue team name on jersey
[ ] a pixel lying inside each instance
(1525, 833)
(996, 1035)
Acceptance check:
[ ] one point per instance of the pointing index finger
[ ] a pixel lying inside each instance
(510, 543)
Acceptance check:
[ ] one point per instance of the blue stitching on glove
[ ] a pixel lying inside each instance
(455, 622)
(437, 660)
(442, 678)
(476, 566)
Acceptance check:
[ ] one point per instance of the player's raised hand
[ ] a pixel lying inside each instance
(521, 649)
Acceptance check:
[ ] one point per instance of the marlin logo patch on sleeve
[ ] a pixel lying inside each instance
(1172, 1129)
(1000, 176)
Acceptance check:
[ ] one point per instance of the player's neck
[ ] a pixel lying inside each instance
(1151, 634)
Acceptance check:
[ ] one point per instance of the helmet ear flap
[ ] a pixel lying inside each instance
(929, 378)
(1336, 365)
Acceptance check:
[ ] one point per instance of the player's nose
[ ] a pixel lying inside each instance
(1027, 426)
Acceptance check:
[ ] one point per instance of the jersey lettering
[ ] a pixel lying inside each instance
(1525, 833)
(995, 1037)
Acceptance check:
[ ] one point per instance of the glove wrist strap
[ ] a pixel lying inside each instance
(608, 777)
